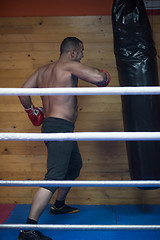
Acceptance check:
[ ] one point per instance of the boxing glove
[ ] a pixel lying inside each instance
(35, 114)
(108, 78)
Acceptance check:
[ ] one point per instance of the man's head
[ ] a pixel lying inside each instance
(74, 46)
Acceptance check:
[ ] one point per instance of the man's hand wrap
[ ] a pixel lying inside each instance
(35, 114)
(108, 78)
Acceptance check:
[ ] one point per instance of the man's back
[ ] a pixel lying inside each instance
(55, 76)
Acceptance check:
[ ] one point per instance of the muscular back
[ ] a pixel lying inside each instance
(55, 76)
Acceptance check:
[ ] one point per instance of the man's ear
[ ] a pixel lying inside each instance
(72, 52)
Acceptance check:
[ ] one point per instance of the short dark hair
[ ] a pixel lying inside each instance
(69, 43)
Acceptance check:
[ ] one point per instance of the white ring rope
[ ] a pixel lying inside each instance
(79, 227)
(69, 183)
(81, 136)
(149, 90)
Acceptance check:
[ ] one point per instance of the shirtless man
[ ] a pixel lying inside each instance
(60, 113)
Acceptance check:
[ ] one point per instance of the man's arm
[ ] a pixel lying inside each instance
(35, 114)
(30, 83)
(88, 74)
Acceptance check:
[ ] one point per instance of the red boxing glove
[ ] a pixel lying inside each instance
(108, 79)
(35, 114)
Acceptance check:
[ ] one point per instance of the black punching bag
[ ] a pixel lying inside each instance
(137, 66)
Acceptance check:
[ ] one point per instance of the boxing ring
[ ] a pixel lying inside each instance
(88, 136)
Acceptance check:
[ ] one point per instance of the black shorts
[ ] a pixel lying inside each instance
(63, 159)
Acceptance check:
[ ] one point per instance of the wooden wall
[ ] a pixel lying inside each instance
(26, 44)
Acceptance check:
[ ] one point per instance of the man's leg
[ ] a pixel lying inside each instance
(73, 171)
(59, 206)
(62, 193)
(40, 201)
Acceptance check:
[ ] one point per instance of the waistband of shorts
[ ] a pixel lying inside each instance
(58, 120)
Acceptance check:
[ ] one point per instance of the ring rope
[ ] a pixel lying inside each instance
(81, 136)
(147, 90)
(79, 227)
(69, 183)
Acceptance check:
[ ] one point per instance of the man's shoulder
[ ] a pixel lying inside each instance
(44, 67)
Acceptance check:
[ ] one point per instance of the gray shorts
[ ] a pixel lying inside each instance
(63, 159)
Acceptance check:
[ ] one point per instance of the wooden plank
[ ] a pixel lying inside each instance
(12, 47)
(30, 163)
(87, 148)
(13, 65)
(102, 108)
(99, 54)
(26, 126)
(100, 37)
(15, 73)
(82, 100)
(85, 100)
(17, 29)
(22, 175)
(154, 19)
(102, 49)
(90, 114)
(74, 20)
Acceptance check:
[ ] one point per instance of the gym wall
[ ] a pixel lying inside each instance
(30, 36)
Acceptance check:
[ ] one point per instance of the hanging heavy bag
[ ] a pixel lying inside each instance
(137, 66)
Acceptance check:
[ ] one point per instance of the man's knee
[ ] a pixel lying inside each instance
(73, 173)
(51, 189)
